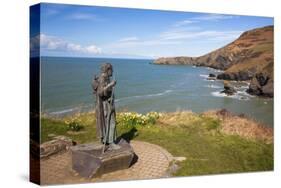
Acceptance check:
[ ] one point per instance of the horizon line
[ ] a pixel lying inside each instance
(96, 57)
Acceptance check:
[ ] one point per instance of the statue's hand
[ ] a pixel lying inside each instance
(113, 83)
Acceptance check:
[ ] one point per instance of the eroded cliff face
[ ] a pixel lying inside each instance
(246, 58)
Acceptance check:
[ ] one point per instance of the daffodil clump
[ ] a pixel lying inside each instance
(74, 123)
(134, 119)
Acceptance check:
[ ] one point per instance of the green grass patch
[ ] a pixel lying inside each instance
(207, 150)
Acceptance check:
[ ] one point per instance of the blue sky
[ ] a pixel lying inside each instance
(88, 31)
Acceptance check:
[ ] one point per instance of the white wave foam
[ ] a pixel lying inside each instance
(244, 98)
(209, 80)
(62, 111)
(79, 108)
(245, 94)
(213, 86)
(235, 96)
(218, 94)
(204, 75)
(214, 70)
(144, 96)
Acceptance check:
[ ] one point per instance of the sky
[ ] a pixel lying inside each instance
(91, 31)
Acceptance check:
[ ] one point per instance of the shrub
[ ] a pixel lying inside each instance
(74, 124)
(135, 119)
(75, 127)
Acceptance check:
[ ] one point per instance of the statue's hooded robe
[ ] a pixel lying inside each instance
(105, 109)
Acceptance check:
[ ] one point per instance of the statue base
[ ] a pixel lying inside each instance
(89, 161)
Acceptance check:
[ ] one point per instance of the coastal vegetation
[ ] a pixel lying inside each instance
(212, 142)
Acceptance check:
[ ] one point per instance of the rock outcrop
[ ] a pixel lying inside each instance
(228, 89)
(211, 75)
(237, 76)
(241, 60)
(58, 144)
(262, 83)
(175, 61)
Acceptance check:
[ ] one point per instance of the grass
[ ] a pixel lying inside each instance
(198, 137)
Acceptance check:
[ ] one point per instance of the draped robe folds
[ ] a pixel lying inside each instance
(105, 110)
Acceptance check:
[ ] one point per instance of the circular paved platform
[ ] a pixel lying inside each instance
(153, 162)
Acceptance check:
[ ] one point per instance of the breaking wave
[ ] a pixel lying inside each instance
(204, 75)
(144, 96)
(213, 86)
(239, 95)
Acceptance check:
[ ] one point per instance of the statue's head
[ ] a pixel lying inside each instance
(107, 69)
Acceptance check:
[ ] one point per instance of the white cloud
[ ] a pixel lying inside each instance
(51, 12)
(184, 22)
(190, 29)
(174, 36)
(208, 17)
(57, 44)
(139, 43)
(128, 39)
(53, 9)
(213, 17)
(82, 16)
(92, 49)
(186, 33)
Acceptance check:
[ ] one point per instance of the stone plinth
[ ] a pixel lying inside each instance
(89, 161)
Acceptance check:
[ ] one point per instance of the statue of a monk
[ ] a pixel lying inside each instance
(103, 88)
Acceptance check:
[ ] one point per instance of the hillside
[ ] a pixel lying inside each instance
(250, 57)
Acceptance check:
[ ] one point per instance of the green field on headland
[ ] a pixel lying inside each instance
(212, 142)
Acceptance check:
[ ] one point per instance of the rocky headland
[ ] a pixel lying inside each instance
(248, 58)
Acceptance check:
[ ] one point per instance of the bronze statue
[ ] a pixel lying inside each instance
(103, 88)
(94, 158)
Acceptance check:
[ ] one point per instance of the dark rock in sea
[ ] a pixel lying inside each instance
(268, 89)
(228, 89)
(261, 85)
(254, 87)
(211, 75)
(262, 79)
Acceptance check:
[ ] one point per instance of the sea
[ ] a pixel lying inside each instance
(143, 87)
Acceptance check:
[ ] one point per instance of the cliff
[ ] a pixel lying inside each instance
(250, 57)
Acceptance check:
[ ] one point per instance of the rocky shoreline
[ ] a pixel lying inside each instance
(260, 84)
(248, 58)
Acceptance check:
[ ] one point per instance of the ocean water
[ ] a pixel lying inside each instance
(143, 87)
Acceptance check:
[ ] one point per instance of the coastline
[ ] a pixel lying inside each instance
(248, 58)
